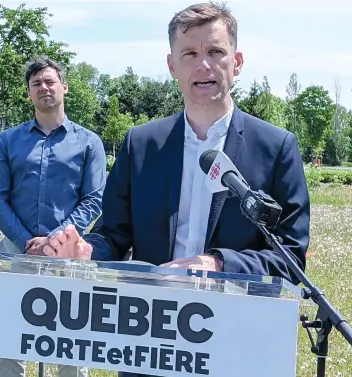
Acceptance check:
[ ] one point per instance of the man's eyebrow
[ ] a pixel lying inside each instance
(189, 48)
(208, 47)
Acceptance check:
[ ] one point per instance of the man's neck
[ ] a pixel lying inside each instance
(201, 118)
(49, 121)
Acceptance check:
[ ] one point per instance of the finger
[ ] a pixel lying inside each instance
(31, 252)
(49, 251)
(170, 264)
(29, 243)
(177, 261)
(166, 264)
(84, 250)
(35, 251)
(61, 236)
(198, 267)
(72, 233)
(56, 244)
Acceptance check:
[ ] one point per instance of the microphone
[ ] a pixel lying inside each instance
(222, 175)
(262, 210)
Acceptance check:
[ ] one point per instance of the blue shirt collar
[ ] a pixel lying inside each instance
(65, 123)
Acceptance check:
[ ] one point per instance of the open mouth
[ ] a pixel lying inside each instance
(204, 84)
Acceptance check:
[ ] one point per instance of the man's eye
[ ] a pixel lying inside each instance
(190, 53)
(214, 51)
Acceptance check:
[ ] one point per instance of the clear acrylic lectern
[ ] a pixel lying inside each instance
(139, 318)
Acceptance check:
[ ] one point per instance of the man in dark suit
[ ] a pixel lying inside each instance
(155, 199)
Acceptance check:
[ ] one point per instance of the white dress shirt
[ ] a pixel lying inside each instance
(195, 200)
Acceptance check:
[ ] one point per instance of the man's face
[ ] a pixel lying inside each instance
(46, 90)
(204, 62)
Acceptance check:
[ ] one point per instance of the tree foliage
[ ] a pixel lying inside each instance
(316, 111)
(81, 101)
(117, 124)
(112, 105)
(23, 35)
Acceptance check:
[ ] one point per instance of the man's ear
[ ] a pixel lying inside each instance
(171, 65)
(65, 85)
(238, 63)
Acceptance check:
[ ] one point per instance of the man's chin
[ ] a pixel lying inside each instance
(47, 108)
(209, 100)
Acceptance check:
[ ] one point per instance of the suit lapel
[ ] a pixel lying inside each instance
(175, 167)
(232, 147)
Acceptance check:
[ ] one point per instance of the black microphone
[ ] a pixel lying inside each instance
(257, 206)
(262, 210)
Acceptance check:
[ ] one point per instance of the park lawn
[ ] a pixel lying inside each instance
(329, 266)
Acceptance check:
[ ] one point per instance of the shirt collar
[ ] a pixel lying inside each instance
(220, 127)
(65, 123)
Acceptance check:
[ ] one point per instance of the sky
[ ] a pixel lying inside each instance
(312, 38)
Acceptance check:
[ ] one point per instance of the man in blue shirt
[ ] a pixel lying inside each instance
(53, 173)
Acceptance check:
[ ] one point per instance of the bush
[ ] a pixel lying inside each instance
(343, 177)
(315, 176)
(109, 162)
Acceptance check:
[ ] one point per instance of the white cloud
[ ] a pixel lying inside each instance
(76, 11)
(277, 37)
(148, 58)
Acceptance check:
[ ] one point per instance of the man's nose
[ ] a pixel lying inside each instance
(203, 62)
(43, 86)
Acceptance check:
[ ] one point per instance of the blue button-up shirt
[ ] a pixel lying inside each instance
(48, 182)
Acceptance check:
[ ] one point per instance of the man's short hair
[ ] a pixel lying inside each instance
(201, 14)
(35, 65)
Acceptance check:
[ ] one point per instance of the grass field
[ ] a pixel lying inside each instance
(330, 267)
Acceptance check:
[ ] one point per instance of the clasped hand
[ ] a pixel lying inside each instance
(69, 244)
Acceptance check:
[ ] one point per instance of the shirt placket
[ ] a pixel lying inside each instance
(193, 245)
(42, 184)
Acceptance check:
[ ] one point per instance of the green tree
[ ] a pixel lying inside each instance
(236, 92)
(293, 89)
(117, 124)
(339, 142)
(106, 85)
(81, 101)
(261, 103)
(250, 100)
(142, 118)
(315, 108)
(348, 132)
(128, 92)
(173, 100)
(23, 35)
(151, 97)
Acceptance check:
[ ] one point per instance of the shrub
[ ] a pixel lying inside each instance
(110, 160)
(343, 177)
(315, 176)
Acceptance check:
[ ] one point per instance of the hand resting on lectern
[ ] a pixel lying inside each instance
(69, 244)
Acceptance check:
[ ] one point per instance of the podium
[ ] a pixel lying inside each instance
(139, 318)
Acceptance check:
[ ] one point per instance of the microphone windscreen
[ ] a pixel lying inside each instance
(206, 159)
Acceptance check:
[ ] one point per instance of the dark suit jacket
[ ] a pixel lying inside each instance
(141, 199)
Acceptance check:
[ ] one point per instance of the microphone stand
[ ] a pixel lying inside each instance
(261, 210)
